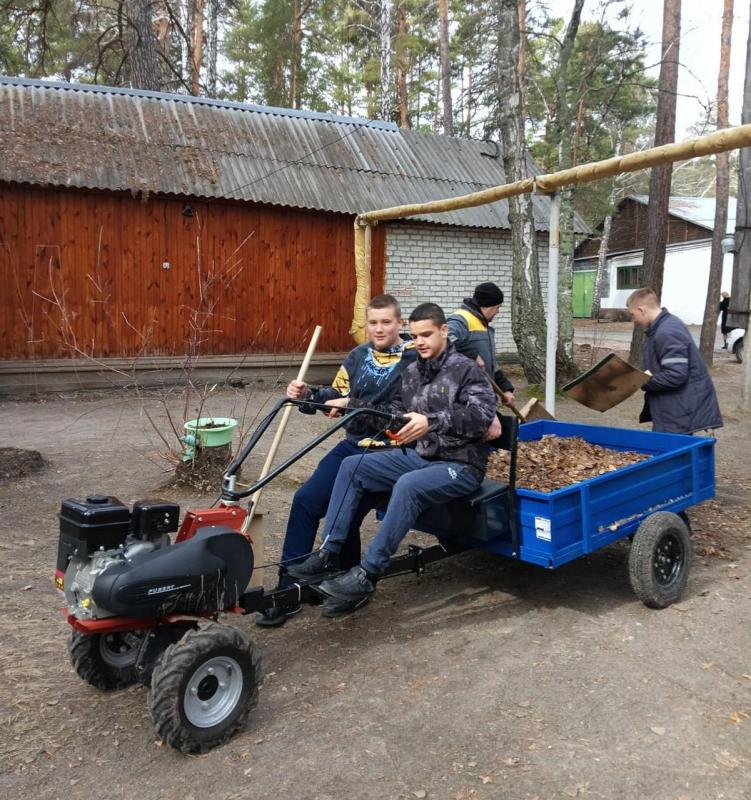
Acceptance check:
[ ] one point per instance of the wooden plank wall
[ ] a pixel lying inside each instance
(82, 276)
(629, 231)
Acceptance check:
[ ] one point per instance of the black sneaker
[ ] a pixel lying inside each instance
(318, 566)
(273, 617)
(352, 587)
(333, 608)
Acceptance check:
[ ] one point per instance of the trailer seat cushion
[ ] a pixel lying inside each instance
(487, 490)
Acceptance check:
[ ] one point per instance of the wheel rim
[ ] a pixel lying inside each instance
(117, 651)
(668, 559)
(213, 691)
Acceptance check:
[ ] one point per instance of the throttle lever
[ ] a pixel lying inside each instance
(392, 430)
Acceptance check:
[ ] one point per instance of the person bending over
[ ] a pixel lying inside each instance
(680, 396)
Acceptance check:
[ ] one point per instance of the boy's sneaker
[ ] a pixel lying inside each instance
(273, 617)
(352, 587)
(320, 565)
(334, 608)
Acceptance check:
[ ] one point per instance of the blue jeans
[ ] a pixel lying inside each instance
(309, 506)
(415, 485)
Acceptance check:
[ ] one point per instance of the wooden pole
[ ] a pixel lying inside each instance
(258, 532)
(718, 142)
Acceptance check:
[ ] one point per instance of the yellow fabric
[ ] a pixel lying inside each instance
(473, 324)
(341, 382)
(384, 359)
(369, 442)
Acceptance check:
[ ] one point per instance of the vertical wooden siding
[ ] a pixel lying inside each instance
(82, 275)
(629, 231)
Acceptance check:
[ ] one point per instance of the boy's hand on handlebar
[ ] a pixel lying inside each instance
(415, 429)
(297, 390)
(336, 404)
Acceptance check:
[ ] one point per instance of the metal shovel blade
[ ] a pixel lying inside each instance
(610, 381)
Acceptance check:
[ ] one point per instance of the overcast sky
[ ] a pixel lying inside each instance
(701, 22)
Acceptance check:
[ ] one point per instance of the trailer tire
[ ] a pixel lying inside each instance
(660, 559)
(204, 687)
(105, 661)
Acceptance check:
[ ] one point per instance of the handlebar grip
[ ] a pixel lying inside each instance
(394, 426)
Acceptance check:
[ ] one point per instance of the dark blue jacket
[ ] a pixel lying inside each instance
(370, 376)
(680, 396)
(472, 336)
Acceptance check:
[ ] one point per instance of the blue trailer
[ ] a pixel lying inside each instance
(642, 501)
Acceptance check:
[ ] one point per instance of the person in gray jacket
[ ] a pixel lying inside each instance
(680, 396)
(473, 336)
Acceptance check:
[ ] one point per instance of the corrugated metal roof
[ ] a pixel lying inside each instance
(98, 137)
(699, 210)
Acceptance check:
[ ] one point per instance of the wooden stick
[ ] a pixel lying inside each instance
(499, 393)
(280, 430)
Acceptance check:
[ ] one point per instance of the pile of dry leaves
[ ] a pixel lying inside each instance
(553, 462)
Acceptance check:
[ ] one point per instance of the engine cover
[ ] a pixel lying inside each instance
(201, 575)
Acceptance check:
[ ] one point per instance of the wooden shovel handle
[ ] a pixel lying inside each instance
(499, 392)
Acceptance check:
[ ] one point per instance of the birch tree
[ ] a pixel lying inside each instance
(528, 325)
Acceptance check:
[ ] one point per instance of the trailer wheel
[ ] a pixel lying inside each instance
(660, 559)
(204, 687)
(106, 661)
(738, 350)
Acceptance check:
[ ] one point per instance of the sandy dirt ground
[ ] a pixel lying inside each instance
(482, 679)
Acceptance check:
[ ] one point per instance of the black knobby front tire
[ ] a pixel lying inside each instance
(106, 661)
(660, 559)
(738, 351)
(204, 687)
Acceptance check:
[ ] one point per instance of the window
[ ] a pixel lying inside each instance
(627, 278)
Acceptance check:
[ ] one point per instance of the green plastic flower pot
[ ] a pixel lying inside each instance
(212, 431)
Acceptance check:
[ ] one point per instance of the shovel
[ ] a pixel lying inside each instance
(254, 524)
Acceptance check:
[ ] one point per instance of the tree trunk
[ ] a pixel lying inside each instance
(402, 98)
(162, 35)
(195, 72)
(443, 49)
(522, 65)
(602, 265)
(140, 42)
(213, 47)
(384, 28)
(659, 181)
(722, 192)
(527, 311)
(563, 122)
(740, 296)
(185, 15)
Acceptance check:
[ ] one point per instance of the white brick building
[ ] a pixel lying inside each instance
(443, 265)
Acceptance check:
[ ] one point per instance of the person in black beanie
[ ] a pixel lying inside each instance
(473, 336)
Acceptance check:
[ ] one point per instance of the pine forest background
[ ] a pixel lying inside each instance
(428, 65)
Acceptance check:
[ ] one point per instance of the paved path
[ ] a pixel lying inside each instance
(618, 334)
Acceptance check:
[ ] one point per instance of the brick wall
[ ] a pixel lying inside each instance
(443, 265)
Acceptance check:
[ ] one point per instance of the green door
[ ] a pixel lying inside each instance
(584, 287)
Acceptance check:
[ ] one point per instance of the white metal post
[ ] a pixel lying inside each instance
(552, 340)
